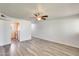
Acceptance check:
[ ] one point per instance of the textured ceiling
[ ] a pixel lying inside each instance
(25, 10)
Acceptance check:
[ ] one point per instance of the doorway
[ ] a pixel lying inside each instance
(15, 33)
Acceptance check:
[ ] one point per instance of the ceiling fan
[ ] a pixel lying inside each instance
(38, 16)
(39, 13)
(3, 17)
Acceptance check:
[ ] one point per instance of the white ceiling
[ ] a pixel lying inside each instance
(26, 10)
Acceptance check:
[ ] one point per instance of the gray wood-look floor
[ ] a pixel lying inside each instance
(38, 47)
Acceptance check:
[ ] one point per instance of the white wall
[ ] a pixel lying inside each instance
(64, 30)
(25, 30)
(5, 31)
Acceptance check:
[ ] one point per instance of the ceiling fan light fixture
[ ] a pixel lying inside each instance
(40, 14)
(38, 18)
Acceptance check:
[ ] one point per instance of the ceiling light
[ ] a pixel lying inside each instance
(39, 14)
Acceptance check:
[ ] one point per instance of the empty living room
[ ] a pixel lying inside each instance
(39, 29)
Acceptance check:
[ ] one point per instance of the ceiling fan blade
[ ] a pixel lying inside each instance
(32, 17)
(2, 15)
(45, 16)
(36, 15)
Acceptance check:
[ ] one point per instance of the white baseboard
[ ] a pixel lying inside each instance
(72, 45)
